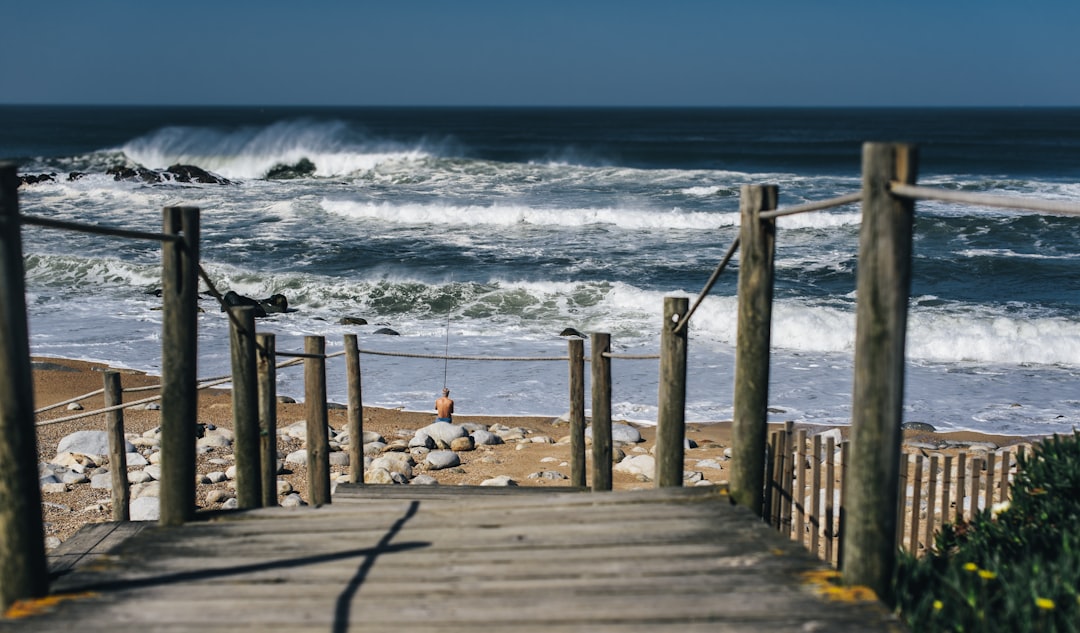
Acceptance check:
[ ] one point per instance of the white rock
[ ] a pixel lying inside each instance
(501, 480)
(372, 436)
(154, 458)
(102, 481)
(339, 458)
(548, 474)
(422, 440)
(73, 477)
(638, 465)
(292, 501)
(154, 470)
(95, 443)
(374, 449)
(296, 457)
(396, 463)
(444, 432)
(135, 459)
(218, 496)
(283, 487)
(139, 477)
(54, 488)
(621, 433)
(710, 463)
(149, 489)
(230, 472)
(145, 509)
(437, 460)
(216, 477)
(213, 441)
(230, 504)
(74, 406)
(424, 480)
(486, 438)
(377, 476)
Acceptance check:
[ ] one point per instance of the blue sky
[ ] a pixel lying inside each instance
(544, 52)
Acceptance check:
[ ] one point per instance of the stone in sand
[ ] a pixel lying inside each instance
(443, 432)
(145, 509)
(501, 480)
(94, 443)
(621, 433)
(438, 460)
(638, 465)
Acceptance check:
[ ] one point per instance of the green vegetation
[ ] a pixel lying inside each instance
(1015, 567)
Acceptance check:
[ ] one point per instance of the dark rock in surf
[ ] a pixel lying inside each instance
(302, 169)
(352, 321)
(134, 173)
(235, 300)
(75, 175)
(275, 304)
(32, 179)
(387, 331)
(917, 426)
(571, 332)
(191, 173)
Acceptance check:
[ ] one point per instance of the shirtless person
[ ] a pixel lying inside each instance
(444, 406)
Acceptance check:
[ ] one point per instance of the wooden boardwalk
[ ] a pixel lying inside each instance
(448, 559)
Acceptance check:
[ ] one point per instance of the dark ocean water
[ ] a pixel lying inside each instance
(512, 224)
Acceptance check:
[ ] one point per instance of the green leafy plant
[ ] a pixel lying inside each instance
(1012, 568)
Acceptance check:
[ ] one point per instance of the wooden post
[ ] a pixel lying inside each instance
(757, 244)
(23, 570)
(356, 410)
(114, 422)
(901, 498)
(266, 364)
(671, 415)
(179, 352)
(1006, 467)
(601, 410)
(883, 287)
(245, 407)
(988, 502)
(576, 349)
(318, 443)
(946, 490)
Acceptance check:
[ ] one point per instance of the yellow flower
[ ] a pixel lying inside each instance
(1044, 603)
(986, 574)
(938, 605)
(971, 567)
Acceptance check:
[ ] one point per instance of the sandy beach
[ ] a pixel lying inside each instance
(544, 448)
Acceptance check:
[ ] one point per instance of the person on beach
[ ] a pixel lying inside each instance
(444, 407)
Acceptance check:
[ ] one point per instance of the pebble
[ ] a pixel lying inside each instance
(548, 474)
(501, 480)
(74, 406)
(292, 500)
(424, 480)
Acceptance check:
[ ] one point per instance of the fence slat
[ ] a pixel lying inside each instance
(798, 499)
(786, 475)
(931, 501)
(245, 407)
(815, 497)
(946, 490)
(961, 486)
(576, 354)
(989, 499)
(916, 503)
(1006, 468)
(830, 487)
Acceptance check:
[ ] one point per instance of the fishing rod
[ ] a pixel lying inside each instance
(446, 350)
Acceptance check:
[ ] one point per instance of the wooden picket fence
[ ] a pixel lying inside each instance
(804, 496)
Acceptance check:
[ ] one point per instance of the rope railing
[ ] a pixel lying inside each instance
(917, 192)
(97, 229)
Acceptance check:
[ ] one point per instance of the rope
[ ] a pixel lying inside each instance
(99, 230)
(69, 401)
(821, 205)
(631, 356)
(985, 200)
(709, 284)
(440, 357)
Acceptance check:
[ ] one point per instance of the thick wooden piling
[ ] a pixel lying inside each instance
(318, 443)
(671, 416)
(245, 407)
(601, 410)
(355, 410)
(757, 240)
(179, 351)
(576, 353)
(114, 427)
(23, 572)
(266, 365)
(883, 287)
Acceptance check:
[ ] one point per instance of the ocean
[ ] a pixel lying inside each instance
(487, 232)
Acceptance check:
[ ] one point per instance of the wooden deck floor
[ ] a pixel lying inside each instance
(448, 559)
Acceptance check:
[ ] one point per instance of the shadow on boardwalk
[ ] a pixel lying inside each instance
(456, 559)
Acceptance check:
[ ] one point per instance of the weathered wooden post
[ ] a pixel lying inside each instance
(318, 443)
(601, 410)
(179, 352)
(671, 416)
(23, 570)
(576, 349)
(114, 423)
(883, 287)
(356, 410)
(757, 246)
(245, 407)
(266, 364)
